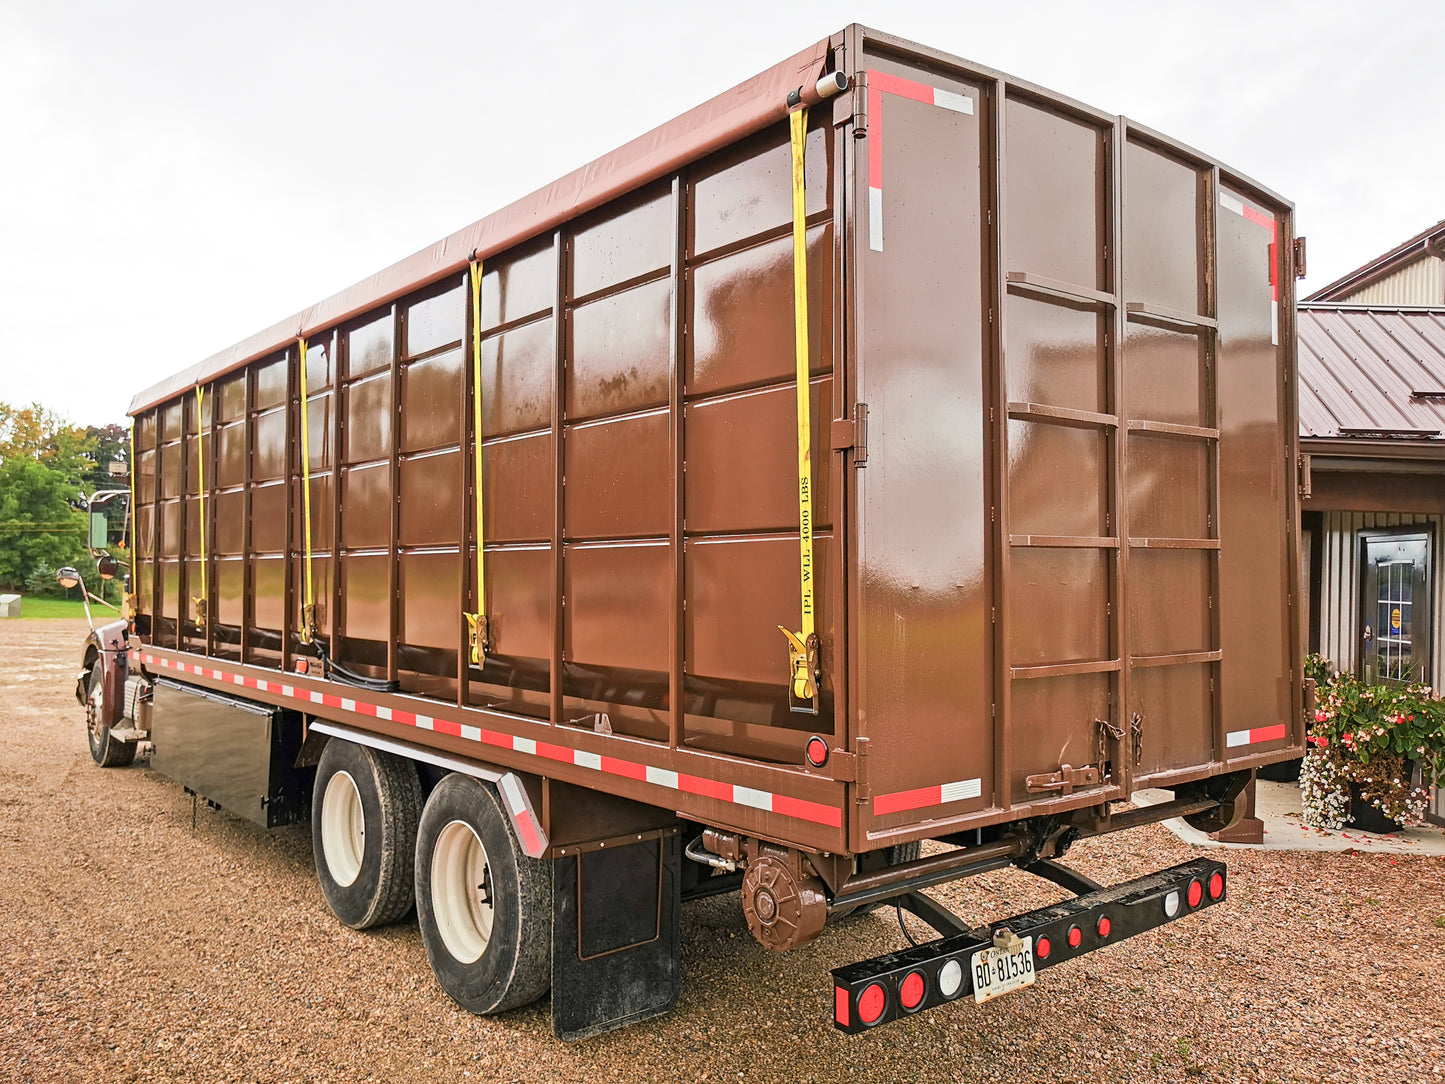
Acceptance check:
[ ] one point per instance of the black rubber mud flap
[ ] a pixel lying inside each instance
(616, 945)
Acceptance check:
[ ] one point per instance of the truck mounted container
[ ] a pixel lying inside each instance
(886, 451)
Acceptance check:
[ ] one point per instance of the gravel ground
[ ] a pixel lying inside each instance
(134, 948)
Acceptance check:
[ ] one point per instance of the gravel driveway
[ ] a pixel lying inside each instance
(134, 948)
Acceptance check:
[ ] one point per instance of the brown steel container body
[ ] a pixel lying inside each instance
(1071, 500)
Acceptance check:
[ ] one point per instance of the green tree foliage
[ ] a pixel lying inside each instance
(47, 468)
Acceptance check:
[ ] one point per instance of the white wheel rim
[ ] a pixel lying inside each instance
(343, 829)
(462, 892)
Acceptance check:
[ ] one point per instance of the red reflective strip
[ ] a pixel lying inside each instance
(363, 708)
(840, 1005)
(706, 788)
(446, 726)
(875, 135)
(907, 799)
(491, 737)
(531, 841)
(330, 701)
(626, 768)
(880, 83)
(896, 84)
(808, 811)
(1259, 218)
(1267, 733)
(406, 718)
(561, 753)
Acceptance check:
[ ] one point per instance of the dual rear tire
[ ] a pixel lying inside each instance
(484, 907)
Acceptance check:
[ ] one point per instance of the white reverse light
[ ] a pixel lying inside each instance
(950, 978)
(1171, 904)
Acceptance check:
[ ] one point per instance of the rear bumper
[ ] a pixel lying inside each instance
(1130, 908)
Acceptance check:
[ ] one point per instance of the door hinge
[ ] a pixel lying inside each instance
(1306, 479)
(860, 104)
(844, 765)
(853, 433)
(1064, 780)
(1299, 257)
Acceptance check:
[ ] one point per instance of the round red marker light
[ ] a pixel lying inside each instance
(1216, 885)
(1104, 926)
(871, 1003)
(1043, 947)
(816, 751)
(1076, 937)
(910, 991)
(1196, 893)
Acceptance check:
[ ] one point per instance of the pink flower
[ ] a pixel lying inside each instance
(1320, 716)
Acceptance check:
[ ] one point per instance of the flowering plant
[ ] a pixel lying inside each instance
(1367, 735)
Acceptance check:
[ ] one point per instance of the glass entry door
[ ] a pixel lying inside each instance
(1395, 608)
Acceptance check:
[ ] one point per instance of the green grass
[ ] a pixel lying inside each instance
(64, 607)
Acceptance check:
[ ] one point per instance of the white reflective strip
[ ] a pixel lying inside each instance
(1229, 203)
(348, 705)
(1236, 737)
(216, 674)
(316, 698)
(472, 733)
(287, 690)
(588, 760)
(964, 788)
(239, 679)
(1274, 323)
(512, 794)
(875, 219)
(424, 721)
(383, 713)
(662, 777)
(263, 686)
(524, 745)
(959, 103)
(758, 799)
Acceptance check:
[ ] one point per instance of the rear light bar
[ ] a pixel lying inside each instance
(875, 991)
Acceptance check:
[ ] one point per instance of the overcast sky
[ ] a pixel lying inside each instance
(175, 176)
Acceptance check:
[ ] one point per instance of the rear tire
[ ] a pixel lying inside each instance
(364, 813)
(484, 907)
(105, 750)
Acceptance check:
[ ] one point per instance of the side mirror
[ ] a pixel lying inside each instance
(67, 577)
(108, 567)
(99, 531)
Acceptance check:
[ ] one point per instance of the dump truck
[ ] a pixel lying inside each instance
(872, 477)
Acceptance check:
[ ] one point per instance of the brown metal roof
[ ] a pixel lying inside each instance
(1371, 373)
(1429, 242)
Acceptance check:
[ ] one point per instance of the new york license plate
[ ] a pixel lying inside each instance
(998, 970)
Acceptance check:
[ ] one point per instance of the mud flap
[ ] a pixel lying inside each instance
(616, 946)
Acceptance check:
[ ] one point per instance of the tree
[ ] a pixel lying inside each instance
(107, 444)
(39, 523)
(47, 469)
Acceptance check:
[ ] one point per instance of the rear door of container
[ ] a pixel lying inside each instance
(1073, 527)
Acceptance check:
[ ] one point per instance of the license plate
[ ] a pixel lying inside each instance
(998, 971)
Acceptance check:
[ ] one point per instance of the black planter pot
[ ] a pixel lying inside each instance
(1365, 817)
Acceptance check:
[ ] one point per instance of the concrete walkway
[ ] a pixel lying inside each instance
(1278, 805)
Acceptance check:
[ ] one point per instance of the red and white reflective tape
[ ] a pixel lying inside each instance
(1236, 738)
(879, 84)
(1259, 218)
(923, 797)
(799, 808)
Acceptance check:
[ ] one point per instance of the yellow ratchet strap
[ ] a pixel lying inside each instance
(478, 627)
(803, 662)
(131, 604)
(308, 603)
(200, 601)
